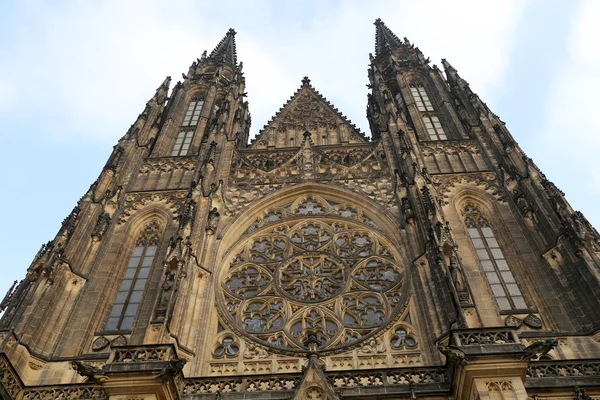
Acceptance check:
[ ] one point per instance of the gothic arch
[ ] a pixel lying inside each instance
(237, 226)
(497, 216)
(157, 215)
(157, 212)
(473, 194)
(416, 76)
(311, 259)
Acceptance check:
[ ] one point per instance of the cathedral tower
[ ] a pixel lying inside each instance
(429, 259)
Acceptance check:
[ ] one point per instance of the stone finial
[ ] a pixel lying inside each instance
(312, 341)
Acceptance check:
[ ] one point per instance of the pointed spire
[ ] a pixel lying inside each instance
(384, 38)
(165, 84)
(225, 50)
(451, 72)
(452, 75)
(161, 92)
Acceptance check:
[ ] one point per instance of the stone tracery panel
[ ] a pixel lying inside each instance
(315, 266)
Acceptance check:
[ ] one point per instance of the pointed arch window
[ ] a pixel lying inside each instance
(133, 283)
(434, 128)
(192, 114)
(496, 269)
(421, 99)
(182, 143)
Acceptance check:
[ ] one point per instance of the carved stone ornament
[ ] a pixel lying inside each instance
(326, 274)
(513, 321)
(100, 343)
(533, 321)
(119, 341)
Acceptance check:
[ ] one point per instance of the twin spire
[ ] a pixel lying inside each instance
(385, 39)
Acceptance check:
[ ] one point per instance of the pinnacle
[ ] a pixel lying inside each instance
(446, 64)
(306, 81)
(225, 50)
(384, 38)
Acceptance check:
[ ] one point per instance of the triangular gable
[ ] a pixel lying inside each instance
(314, 384)
(305, 111)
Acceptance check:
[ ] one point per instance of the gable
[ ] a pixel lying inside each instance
(307, 110)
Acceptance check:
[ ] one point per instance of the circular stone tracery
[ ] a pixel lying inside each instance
(326, 273)
(312, 277)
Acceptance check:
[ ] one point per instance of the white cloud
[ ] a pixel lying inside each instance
(571, 136)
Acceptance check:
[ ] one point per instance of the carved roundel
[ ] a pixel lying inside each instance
(310, 277)
(321, 268)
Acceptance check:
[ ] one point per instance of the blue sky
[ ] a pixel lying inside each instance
(74, 76)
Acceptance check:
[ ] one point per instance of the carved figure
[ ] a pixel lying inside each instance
(213, 221)
(456, 274)
(172, 367)
(373, 346)
(165, 295)
(254, 351)
(409, 214)
(88, 371)
(580, 394)
(538, 349)
(102, 225)
(453, 354)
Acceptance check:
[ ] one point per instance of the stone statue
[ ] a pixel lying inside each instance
(88, 371)
(538, 349)
(453, 354)
(213, 221)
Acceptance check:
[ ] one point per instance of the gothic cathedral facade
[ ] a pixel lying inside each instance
(430, 260)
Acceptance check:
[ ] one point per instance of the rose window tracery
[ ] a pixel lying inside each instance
(312, 266)
(312, 277)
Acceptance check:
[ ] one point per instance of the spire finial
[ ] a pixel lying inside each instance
(384, 38)
(225, 51)
(306, 81)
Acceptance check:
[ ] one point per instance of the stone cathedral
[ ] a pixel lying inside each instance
(430, 259)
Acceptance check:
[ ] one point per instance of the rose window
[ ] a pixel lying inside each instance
(312, 277)
(317, 268)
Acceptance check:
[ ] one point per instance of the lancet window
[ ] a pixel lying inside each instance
(192, 114)
(434, 128)
(182, 143)
(492, 259)
(133, 283)
(421, 98)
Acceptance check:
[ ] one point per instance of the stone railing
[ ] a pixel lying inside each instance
(142, 353)
(388, 377)
(238, 384)
(484, 336)
(339, 379)
(564, 368)
(65, 393)
(15, 389)
(8, 378)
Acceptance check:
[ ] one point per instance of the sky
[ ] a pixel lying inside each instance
(75, 75)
